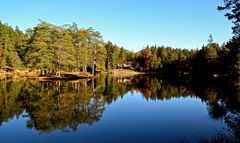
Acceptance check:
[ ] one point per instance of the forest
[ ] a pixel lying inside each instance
(50, 49)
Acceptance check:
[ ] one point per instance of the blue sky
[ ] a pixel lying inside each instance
(132, 24)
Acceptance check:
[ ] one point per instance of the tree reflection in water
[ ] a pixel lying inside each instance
(52, 105)
(58, 105)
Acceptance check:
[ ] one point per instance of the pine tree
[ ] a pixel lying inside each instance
(20, 40)
(233, 14)
(101, 57)
(8, 54)
(63, 49)
(40, 55)
(155, 61)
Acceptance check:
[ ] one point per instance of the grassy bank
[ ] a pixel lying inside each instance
(124, 72)
(66, 76)
(26, 74)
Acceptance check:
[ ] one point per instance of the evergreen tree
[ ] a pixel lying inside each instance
(8, 54)
(155, 60)
(233, 14)
(122, 56)
(20, 40)
(101, 57)
(109, 55)
(233, 6)
(63, 49)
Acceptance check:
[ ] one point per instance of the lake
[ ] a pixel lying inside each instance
(139, 109)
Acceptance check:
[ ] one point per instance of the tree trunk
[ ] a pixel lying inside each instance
(94, 60)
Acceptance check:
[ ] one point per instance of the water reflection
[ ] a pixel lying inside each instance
(52, 105)
(57, 105)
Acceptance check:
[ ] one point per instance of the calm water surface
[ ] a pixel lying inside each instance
(114, 109)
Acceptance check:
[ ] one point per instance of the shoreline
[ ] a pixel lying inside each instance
(18, 75)
(23, 75)
(124, 72)
(65, 76)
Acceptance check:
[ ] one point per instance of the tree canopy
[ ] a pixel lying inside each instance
(49, 49)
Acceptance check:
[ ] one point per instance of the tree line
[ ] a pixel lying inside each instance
(50, 49)
(212, 60)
